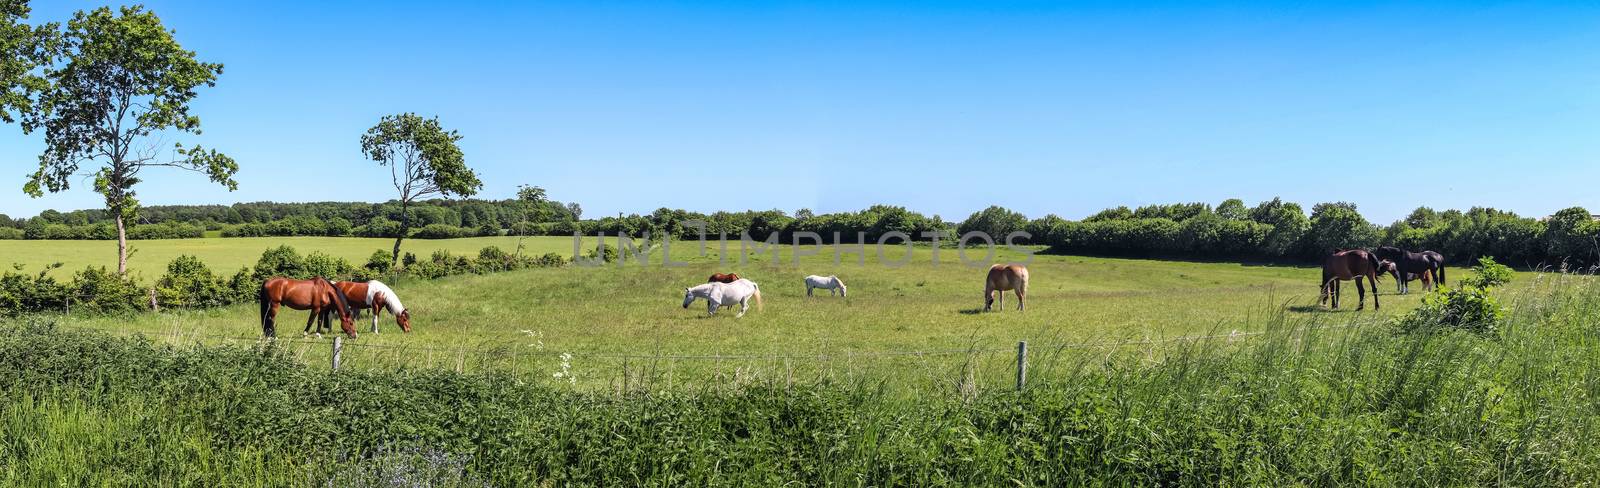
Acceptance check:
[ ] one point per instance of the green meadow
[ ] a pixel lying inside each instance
(915, 318)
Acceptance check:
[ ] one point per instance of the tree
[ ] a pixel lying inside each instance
(23, 50)
(1337, 225)
(576, 210)
(997, 221)
(1233, 209)
(1289, 225)
(121, 79)
(530, 198)
(423, 161)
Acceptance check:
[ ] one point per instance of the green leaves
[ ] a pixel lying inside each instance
(422, 156)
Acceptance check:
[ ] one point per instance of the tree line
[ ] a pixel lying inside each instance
(1270, 230)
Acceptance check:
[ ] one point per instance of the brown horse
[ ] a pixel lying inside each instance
(723, 278)
(1002, 278)
(315, 294)
(357, 294)
(1351, 264)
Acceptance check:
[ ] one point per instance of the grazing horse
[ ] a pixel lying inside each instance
(830, 283)
(1393, 271)
(315, 294)
(1352, 264)
(1408, 263)
(1438, 267)
(723, 278)
(372, 294)
(1004, 277)
(719, 294)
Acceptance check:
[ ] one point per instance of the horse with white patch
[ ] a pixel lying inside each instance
(724, 295)
(830, 283)
(374, 294)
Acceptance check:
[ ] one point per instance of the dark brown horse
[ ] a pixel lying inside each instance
(315, 294)
(723, 278)
(1409, 263)
(1346, 265)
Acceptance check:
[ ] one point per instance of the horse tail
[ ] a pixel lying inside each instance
(1439, 266)
(757, 295)
(1377, 267)
(266, 304)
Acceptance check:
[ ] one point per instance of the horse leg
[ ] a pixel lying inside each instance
(1373, 279)
(375, 311)
(744, 305)
(711, 306)
(1361, 294)
(1020, 294)
(1000, 296)
(988, 297)
(808, 291)
(271, 320)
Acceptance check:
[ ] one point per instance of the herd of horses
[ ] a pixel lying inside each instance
(346, 299)
(726, 290)
(1355, 264)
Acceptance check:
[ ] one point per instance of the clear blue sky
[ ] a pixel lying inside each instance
(941, 107)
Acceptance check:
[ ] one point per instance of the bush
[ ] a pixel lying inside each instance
(1488, 274)
(11, 234)
(281, 261)
(380, 261)
(1471, 307)
(190, 284)
(24, 293)
(321, 264)
(100, 291)
(438, 231)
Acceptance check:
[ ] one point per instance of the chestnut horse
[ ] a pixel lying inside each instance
(374, 295)
(315, 294)
(1346, 265)
(1002, 278)
(723, 278)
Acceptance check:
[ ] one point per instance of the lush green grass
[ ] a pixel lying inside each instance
(525, 319)
(1305, 403)
(227, 255)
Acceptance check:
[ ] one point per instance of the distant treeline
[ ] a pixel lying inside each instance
(1271, 230)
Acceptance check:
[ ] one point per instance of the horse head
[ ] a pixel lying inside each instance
(688, 297)
(346, 314)
(404, 319)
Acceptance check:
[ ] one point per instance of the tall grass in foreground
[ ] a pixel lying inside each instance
(1308, 402)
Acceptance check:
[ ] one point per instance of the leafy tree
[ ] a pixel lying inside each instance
(1422, 218)
(122, 78)
(530, 198)
(576, 210)
(23, 50)
(1119, 213)
(1233, 209)
(1337, 225)
(423, 160)
(804, 213)
(1289, 225)
(1570, 234)
(996, 220)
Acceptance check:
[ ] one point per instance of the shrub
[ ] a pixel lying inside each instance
(1471, 307)
(23, 293)
(101, 291)
(1488, 274)
(550, 260)
(321, 264)
(437, 231)
(11, 233)
(281, 261)
(189, 283)
(380, 261)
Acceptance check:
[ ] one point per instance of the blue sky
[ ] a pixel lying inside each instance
(941, 107)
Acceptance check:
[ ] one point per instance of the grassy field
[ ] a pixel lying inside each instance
(612, 318)
(150, 257)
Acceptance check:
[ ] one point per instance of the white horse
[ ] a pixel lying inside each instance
(724, 295)
(829, 283)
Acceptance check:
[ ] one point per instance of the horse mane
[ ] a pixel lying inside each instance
(338, 296)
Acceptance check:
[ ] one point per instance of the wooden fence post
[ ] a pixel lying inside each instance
(1022, 364)
(338, 347)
